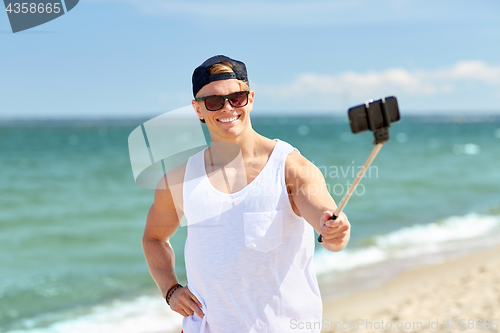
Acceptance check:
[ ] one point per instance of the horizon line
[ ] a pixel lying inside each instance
(131, 120)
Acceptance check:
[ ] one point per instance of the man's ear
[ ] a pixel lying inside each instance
(196, 108)
(251, 96)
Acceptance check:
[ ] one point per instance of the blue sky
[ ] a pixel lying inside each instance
(114, 58)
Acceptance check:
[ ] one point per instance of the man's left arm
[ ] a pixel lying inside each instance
(310, 198)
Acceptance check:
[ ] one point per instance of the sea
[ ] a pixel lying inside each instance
(72, 215)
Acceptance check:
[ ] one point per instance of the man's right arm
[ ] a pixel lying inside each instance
(162, 222)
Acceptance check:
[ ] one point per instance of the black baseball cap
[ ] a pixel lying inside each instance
(202, 77)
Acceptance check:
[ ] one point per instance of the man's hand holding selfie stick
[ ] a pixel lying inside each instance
(377, 117)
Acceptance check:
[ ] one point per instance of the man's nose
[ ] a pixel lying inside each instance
(227, 105)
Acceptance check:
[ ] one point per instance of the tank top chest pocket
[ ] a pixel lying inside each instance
(263, 230)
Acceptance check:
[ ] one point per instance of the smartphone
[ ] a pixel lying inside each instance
(374, 115)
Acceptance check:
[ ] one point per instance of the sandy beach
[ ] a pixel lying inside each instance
(458, 295)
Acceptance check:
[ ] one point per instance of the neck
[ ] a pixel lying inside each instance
(246, 143)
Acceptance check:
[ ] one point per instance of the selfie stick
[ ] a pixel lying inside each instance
(381, 134)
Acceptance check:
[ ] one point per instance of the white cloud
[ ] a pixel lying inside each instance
(471, 70)
(394, 81)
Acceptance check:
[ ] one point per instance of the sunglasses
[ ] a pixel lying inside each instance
(216, 102)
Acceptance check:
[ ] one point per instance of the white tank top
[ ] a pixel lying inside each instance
(249, 257)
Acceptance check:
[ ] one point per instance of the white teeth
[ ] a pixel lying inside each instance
(228, 120)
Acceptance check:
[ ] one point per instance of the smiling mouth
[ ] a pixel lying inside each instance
(229, 120)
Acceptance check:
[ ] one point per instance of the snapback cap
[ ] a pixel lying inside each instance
(202, 77)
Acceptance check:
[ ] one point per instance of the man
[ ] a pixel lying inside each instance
(251, 204)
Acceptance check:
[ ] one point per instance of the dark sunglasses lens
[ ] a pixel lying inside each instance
(214, 103)
(238, 99)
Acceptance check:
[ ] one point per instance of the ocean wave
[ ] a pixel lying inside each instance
(407, 242)
(145, 314)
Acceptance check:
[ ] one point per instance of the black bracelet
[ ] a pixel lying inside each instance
(171, 291)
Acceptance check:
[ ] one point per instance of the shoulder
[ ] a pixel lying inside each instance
(299, 168)
(172, 177)
(169, 187)
(267, 144)
(176, 175)
(296, 160)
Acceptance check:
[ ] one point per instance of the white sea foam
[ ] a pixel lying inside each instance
(325, 261)
(453, 228)
(146, 314)
(411, 241)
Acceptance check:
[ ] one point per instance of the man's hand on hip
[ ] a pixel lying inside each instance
(185, 303)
